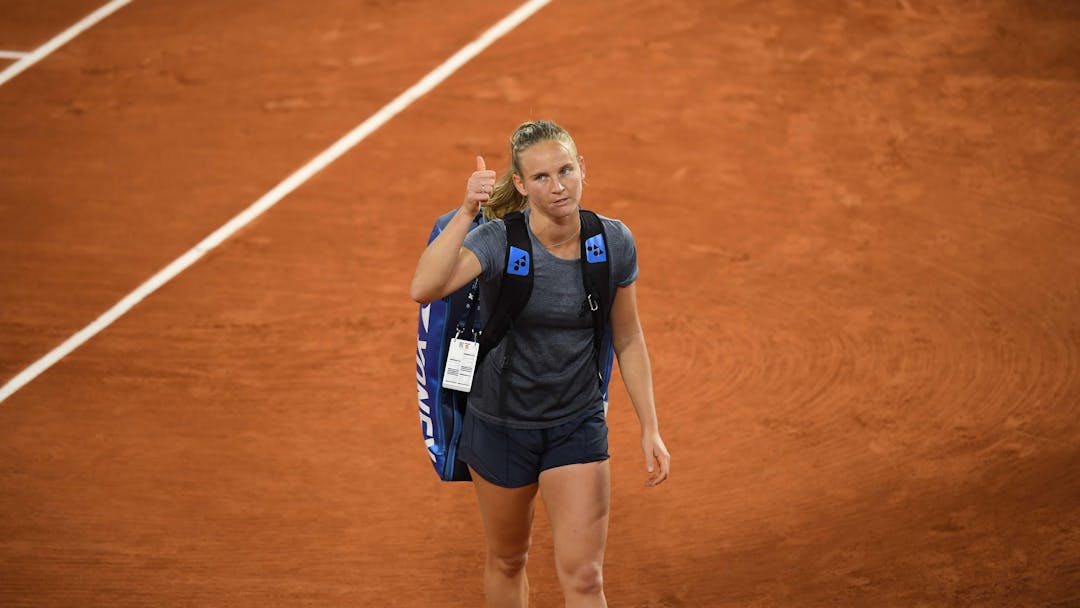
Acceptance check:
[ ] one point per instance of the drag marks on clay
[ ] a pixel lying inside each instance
(912, 334)
(975, 374)
(964, 359)
(924, 368)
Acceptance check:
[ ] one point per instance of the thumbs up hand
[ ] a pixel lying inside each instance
(479, 187)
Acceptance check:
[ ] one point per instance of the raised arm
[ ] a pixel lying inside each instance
(629, 343)
(446, 266)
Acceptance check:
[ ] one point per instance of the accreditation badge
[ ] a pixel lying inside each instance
(460, 365)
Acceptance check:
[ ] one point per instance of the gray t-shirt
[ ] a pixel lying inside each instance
(553, 372)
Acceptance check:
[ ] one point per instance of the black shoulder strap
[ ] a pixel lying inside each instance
(469, 319)
(596, 275)
(516, 286)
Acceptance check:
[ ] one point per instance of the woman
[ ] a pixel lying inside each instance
(548, 432)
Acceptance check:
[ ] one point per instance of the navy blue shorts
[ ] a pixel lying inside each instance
(513, 458)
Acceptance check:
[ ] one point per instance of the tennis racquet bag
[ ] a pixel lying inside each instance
(442, 409)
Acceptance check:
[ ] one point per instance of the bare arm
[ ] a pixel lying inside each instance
(629, 343)
(446, 266)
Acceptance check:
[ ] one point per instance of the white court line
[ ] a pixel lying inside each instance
(271, 198)
(60, 40)
(12, 54)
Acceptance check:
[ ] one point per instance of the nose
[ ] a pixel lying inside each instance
(557, 185)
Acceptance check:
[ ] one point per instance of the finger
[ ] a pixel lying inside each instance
(665, 470)
(662, 469)
(480, 166)
(665, 466)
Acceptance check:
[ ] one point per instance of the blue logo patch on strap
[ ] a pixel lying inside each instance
(518, 263)
(596, 249)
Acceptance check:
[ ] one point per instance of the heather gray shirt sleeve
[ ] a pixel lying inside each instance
(624, 266)
(488, 244)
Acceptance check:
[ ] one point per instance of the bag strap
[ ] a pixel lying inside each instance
(596, 276)
(516, 285)
(469, 320)
(514, 292)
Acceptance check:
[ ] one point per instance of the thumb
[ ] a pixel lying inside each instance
(649, 461)
(480, 166)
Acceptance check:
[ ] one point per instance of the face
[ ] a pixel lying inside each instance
(551, 177)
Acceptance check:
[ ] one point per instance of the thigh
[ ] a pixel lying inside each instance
(507, 515)
(577, 499)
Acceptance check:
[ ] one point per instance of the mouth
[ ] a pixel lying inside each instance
(562, 201)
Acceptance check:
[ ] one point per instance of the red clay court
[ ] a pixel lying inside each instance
(859, 234)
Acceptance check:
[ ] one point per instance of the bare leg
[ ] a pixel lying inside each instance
(507, 514)
(578, 498)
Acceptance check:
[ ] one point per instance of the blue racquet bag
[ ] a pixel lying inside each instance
(442, 409)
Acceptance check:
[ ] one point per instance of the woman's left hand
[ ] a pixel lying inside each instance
(657, 459)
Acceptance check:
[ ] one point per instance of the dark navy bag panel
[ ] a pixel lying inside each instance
(441, 410)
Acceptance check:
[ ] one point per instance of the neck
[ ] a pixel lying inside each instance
(553, 232)
(571, 237)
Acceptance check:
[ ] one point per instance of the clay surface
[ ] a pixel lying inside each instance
(859, 234)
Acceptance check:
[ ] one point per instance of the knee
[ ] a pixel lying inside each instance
(508, 563)
(586, 578)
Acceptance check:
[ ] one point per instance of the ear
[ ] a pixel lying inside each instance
(581, 164)
(518, 184)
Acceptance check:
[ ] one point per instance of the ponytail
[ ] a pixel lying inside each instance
(505, 198)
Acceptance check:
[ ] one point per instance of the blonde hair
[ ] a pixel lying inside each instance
(505, 198)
